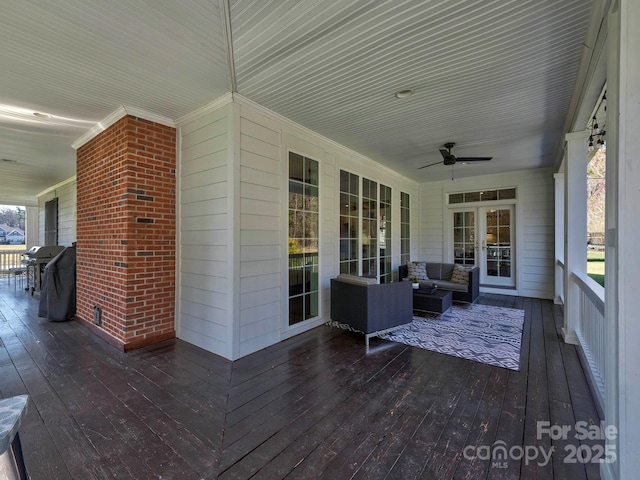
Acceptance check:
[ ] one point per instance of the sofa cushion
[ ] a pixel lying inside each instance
(356, 280)
(426, 285)
(446, 271)
(417, 270)
(460, 274)
(433, 270)
(446, 285)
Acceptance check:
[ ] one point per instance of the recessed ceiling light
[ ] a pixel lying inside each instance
(41, 115)
(404, 93)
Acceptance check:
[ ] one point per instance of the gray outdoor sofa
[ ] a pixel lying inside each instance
(369, 307)
(440, 275)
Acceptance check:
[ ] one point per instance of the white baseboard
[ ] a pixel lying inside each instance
(499, 291)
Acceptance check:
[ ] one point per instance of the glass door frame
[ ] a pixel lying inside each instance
(474, 241)
(480, 248)
(485, 278)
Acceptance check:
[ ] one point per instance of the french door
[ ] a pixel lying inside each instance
(484, 236)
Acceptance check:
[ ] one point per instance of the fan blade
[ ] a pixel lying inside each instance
(473, 159)
(446, 155)
(430, 165)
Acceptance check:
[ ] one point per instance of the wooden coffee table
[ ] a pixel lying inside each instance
(437, 302)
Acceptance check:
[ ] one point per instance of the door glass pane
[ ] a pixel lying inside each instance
(464, 238)
(492, 218)
(469, 234)
(504, 236)
(498, 242)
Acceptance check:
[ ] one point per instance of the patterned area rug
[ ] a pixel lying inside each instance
(482, 333)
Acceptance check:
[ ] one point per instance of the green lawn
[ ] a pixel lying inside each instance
(595, 265)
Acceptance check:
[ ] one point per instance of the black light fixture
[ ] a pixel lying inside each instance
(597, 135)
(601, 141)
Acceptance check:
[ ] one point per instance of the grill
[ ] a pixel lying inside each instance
(35, 259)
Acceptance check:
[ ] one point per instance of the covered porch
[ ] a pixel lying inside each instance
(302, 400)
(313, 406)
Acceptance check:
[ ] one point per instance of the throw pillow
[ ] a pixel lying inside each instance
(417, 270)
(460, 274)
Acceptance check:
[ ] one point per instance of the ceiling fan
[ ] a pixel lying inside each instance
(450, 159)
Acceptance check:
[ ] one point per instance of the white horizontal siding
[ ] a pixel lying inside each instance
(537, 219)
(204, 318)
(430, 224)
(195, 221)
(202, 163)
(260, 233)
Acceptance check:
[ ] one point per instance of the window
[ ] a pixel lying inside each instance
(365, 227)
(349, 220)
(405, 232)
(482, 196)
(303, 238)
(369, 228)
(385, 234)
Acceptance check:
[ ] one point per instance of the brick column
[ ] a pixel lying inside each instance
(126, 232)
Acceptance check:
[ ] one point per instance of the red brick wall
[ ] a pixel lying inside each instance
(126, 231)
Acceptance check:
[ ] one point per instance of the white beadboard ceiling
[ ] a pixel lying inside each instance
(495, 76)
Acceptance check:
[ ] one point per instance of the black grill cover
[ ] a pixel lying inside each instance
(58, 287)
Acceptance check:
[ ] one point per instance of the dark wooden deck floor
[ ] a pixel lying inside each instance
(315, 406)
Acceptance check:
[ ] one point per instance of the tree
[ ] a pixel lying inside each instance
(596, 188)
(12, 216)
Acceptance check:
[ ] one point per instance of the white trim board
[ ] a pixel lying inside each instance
(119, 113)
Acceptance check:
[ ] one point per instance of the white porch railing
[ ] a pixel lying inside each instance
(591, 332)
(10, 259)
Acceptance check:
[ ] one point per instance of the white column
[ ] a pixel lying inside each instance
(622, 297)
(559, 237)
(575, 233)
